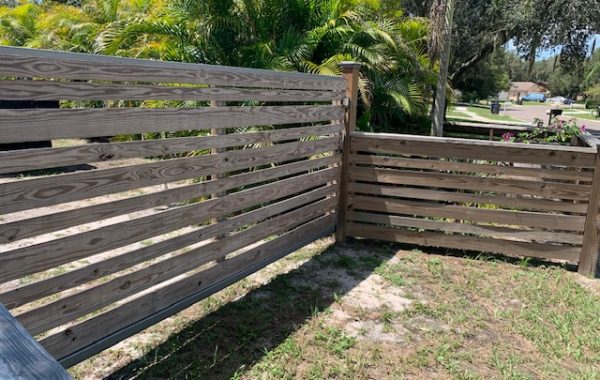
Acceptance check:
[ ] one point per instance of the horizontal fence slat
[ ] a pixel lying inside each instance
(449, 196)
(471, 149)
(32, 159)
(25, 228)
(52, 64)
(79, 304)
(47, 191)
(487, 231)
(49, 124)
(438, 239)
(86, 333)
(476, 183)
(53, 90)
(28, 260)
(40, 289)
(523, 173)
(432, 209)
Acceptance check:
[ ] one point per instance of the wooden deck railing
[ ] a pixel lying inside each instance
(265, 162)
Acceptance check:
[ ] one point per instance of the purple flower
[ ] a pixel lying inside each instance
(582, 129)
(508, 136)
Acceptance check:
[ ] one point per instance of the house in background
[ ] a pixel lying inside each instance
(520, 89)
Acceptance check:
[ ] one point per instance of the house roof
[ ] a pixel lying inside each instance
(527, 87)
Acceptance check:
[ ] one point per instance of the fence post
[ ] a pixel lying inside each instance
(588, 260)
(350, 72)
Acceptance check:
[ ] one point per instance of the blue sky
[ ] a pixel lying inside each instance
(543, 54)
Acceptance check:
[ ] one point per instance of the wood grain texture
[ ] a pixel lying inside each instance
(25, 228)
(27, 260)
(55, 90)
(550, 190)
(438, 210)
(79, 304)
(589, 264)
(33, 291)
(42, 158)
(437, 239)
(51, 124)
(531, 204)
(89, 331)
(52, 64)
(51, 190)
(533, 174)
(21, 357)
(445, 147)
(504, 233)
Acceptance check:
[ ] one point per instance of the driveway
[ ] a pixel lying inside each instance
(529, 113)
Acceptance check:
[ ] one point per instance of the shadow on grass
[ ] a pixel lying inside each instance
(240, 333)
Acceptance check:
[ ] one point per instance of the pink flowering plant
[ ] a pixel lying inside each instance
(560, 131)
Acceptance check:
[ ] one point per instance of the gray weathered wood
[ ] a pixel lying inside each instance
(50, 124)
(588, 264)
(21, 357)
(47, 191)
(473, 149)
(32, 259)
(505, 233)
(55, 90)
(434, 209)
(23, 62)
(87, 332)
(533, 173)
(33, 291)
(79, 304)
(41, 158)
(550, 190)
(25, 228)
(511, 202)
(437, 239)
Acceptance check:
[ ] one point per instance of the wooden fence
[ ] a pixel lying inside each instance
(93, 256)
(212, 173)
(514, 199)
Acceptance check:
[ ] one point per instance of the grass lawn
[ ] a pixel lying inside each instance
(375, 311)
(581, 114)
(480, 112)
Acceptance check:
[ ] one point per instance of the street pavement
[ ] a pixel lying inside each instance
(529, 113)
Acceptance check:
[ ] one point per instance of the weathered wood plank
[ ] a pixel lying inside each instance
(54, 90)
(25, 228)
(589, 264)
(32, 159)
(530, 204)
(21, 357)
(445, 147)
(431, 209)
(437, 239)
(481, 230)
(52, 64)
(79, 304)
(39, 257)
(37, 290)
(534, 174)
(47, 191)
(549, 190)
(87, 332)
(50, 124)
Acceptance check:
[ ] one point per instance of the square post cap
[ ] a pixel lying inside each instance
(349, 66)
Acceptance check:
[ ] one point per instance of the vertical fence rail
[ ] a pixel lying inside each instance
(588, 261)
(350, 72)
